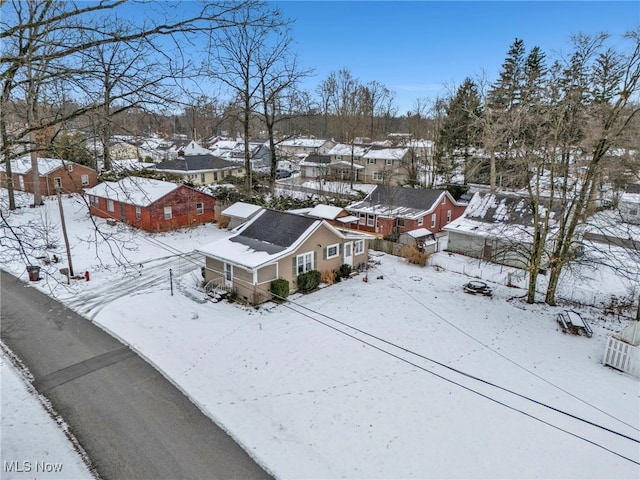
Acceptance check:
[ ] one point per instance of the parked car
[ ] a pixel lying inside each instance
(282, 174)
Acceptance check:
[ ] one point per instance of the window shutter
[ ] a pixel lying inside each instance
(315, 260)
(295, 266)
(324, 253)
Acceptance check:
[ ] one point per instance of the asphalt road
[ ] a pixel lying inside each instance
(133, 423)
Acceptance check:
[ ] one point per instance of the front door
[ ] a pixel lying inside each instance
(348, 254)
(228, 275)
(123, 214)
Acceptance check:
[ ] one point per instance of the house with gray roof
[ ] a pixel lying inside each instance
(275, 244)
(201, 169)
(389, 211)
(498, 228)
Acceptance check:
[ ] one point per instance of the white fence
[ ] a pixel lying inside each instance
(622, 356)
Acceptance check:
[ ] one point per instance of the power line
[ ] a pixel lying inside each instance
(510, 360)
(413, 364)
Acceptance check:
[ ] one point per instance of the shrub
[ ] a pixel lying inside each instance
(413, 255)
(308, 281)
(329, 277)
(223, 221)
(280, 288)
(344, 271)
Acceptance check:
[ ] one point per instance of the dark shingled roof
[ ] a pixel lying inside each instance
(505, 209)
(274, 231)
(633, 188)
(197, 162)
(317, 158)
(415, 198)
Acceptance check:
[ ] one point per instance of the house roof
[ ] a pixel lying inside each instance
(140, 192)
(46, 166)
(264, 239)
(386, 153)
(315, 159)
(328, 212)
(241, 210)
(343, 149)
(196, 163)
(492, 215)
(402, 202)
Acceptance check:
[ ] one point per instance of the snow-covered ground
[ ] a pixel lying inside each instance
(35, 442)
(403, 376)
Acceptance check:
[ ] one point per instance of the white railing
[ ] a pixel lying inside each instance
(622, 356)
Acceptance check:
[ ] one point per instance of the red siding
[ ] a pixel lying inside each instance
(71, 181)
(183, 202)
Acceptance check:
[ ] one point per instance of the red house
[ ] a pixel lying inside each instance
(389, 211)
(151, 205)
(53, 174)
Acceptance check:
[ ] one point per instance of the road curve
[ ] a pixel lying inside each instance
(133, 423)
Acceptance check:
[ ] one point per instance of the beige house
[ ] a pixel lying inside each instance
(275, 245)
(385, 165)
(201, 169)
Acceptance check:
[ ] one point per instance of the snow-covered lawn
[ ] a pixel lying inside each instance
(403, 376)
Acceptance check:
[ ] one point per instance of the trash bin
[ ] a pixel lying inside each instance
(34, 273)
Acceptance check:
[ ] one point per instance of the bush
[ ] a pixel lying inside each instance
(308, 281)
(415, 256)
(344, 271)
(329, 277)
(223, 221)
(280, 288)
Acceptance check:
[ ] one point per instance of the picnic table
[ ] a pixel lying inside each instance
(571, 321)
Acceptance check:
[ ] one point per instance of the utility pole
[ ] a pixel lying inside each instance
(64, 232)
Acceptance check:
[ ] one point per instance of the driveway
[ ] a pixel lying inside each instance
(133, 423)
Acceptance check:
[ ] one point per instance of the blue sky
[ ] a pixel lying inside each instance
(418, 48)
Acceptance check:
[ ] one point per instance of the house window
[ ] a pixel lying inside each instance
(370, 220)
(95, 201)
(228, 272)
(448, 216)
(358, 247)
(444, 199)
(138, 212)
(363, 217)
(371, 161)
(167, 213)
(110, 206)
(199, 208)
(57, 182)
(84, 179)
(378, 176)
(215, 176)
(401, 222)
(202, 179)
(421, 221)
(332, 251)
(304, 263)
(433, 220)
(389, 162)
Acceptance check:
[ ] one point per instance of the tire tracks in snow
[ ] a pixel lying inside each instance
(91, 301)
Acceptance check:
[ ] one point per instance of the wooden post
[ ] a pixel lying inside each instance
(64, 233)
(638, 312)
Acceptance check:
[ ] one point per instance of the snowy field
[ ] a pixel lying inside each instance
(403, 376)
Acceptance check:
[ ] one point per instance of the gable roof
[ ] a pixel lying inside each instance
(490, 214)
(314, 158)
(327, 212)
(274, 231)
(140, 192)
(241, 210)
(403, 202)
(195, 163)
(46, 166)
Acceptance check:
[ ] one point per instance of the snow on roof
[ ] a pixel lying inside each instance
(141, 192)
(343, 149)
(303, 142)
(328, 212)
(419, 232)
(387, 153)
(22, 165)
(241, 210)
